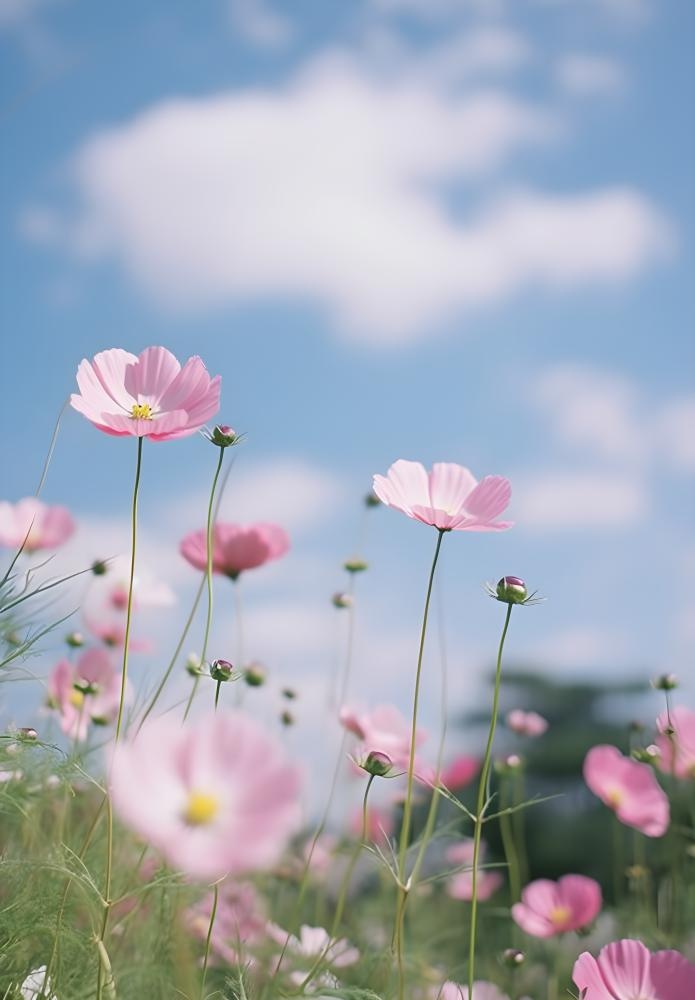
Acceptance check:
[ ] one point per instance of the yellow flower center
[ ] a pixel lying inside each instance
(560, 915)
(615, 797)
(76, 698)
(141, 411)
(201, 808)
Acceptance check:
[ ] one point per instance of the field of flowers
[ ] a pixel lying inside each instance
(157, 850)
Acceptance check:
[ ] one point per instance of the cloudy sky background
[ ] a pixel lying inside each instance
(434, 229)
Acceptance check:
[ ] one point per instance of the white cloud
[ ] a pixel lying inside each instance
(585, 75)
(674, 433)
(15, 12)
(554, 501)
(259, 23)
(326, 190)
(581, 646)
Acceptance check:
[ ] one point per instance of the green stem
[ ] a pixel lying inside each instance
(213, 914)
(510, 851)
(518, 820)
(217, 693)
(407, 809)
(208, 580)
(618, 862)
(482, 795)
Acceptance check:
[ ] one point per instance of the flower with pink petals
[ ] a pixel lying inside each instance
(34, 525)
(149, 395)
(216, 797)
(239, 920)
(383, 730)
(629, 788)
(379, 824)
(627, 970)
(312, 943)
(449, 497)
(482, 990)
(459, 772)
(676, 742)
(84, 692)
(460, 885)
(548, 908)
(526, 723)
(235, 547)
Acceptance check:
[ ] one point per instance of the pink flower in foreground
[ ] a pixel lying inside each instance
(235, 547)
(526, 723)
(627, 970)
(84, 692)
(449, 497)
(34, 524)
(549, 908)
(460, 885)
(215, 797)
(384, 730)
(313, 942)
(146, 396)
(629, 788)
(239, 920)
(482, 990)
(677, 749)
(459, 772)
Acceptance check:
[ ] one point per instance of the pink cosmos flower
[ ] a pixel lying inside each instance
(235, 547)
(459, 772)
(239, 920)
(311, 943)
(215, 797)
(677, 755)
(460, 885)
(32, 523)
(549, 908)
(111, 631)
(526, 723)
(146, 396)
(84, 692)
(385, 730)
(482, 990)
(449, 497)
(629, 788)
(627, 970)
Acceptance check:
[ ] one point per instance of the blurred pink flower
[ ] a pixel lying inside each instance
(549, 908)
(385, 730)
(482, 990)
(239, 920)
(216, 797)
(526, 723)
(449, 497)
(629, 788)
(379, 823)
(460, 885)
(677, 755)
(312, 942)
(111, 632)
(34, 524)
(94, 699)
(627, 970)
(459, 772)
(146, 396)
(235, 547)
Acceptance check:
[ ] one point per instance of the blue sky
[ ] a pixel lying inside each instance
(433, 229)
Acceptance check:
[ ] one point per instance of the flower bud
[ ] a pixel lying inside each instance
(372, 500)
(99, 567)
(223, 436)
(355, 565)
(636, 726)
(511, 590)
(12, 638)
(74, 640)
(289, 693)
(193, 665)
(286, 718)
(255, 675)
(27, 733)
(666, 682)
(85, 687)
(341, 600)
(646, 755)
(377, 763)
(513, 957)
(221, 670)
(509, 764)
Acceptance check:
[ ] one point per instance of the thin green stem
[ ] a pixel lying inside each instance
(217, 693)
(208, 580)
(213, 914)
(129, 608)
(482, 795)
(407, 809)
(509, 845)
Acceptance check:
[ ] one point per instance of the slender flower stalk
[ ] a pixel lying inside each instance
(208, 579)
(508, 841)
(483, 793)
(403, 889)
